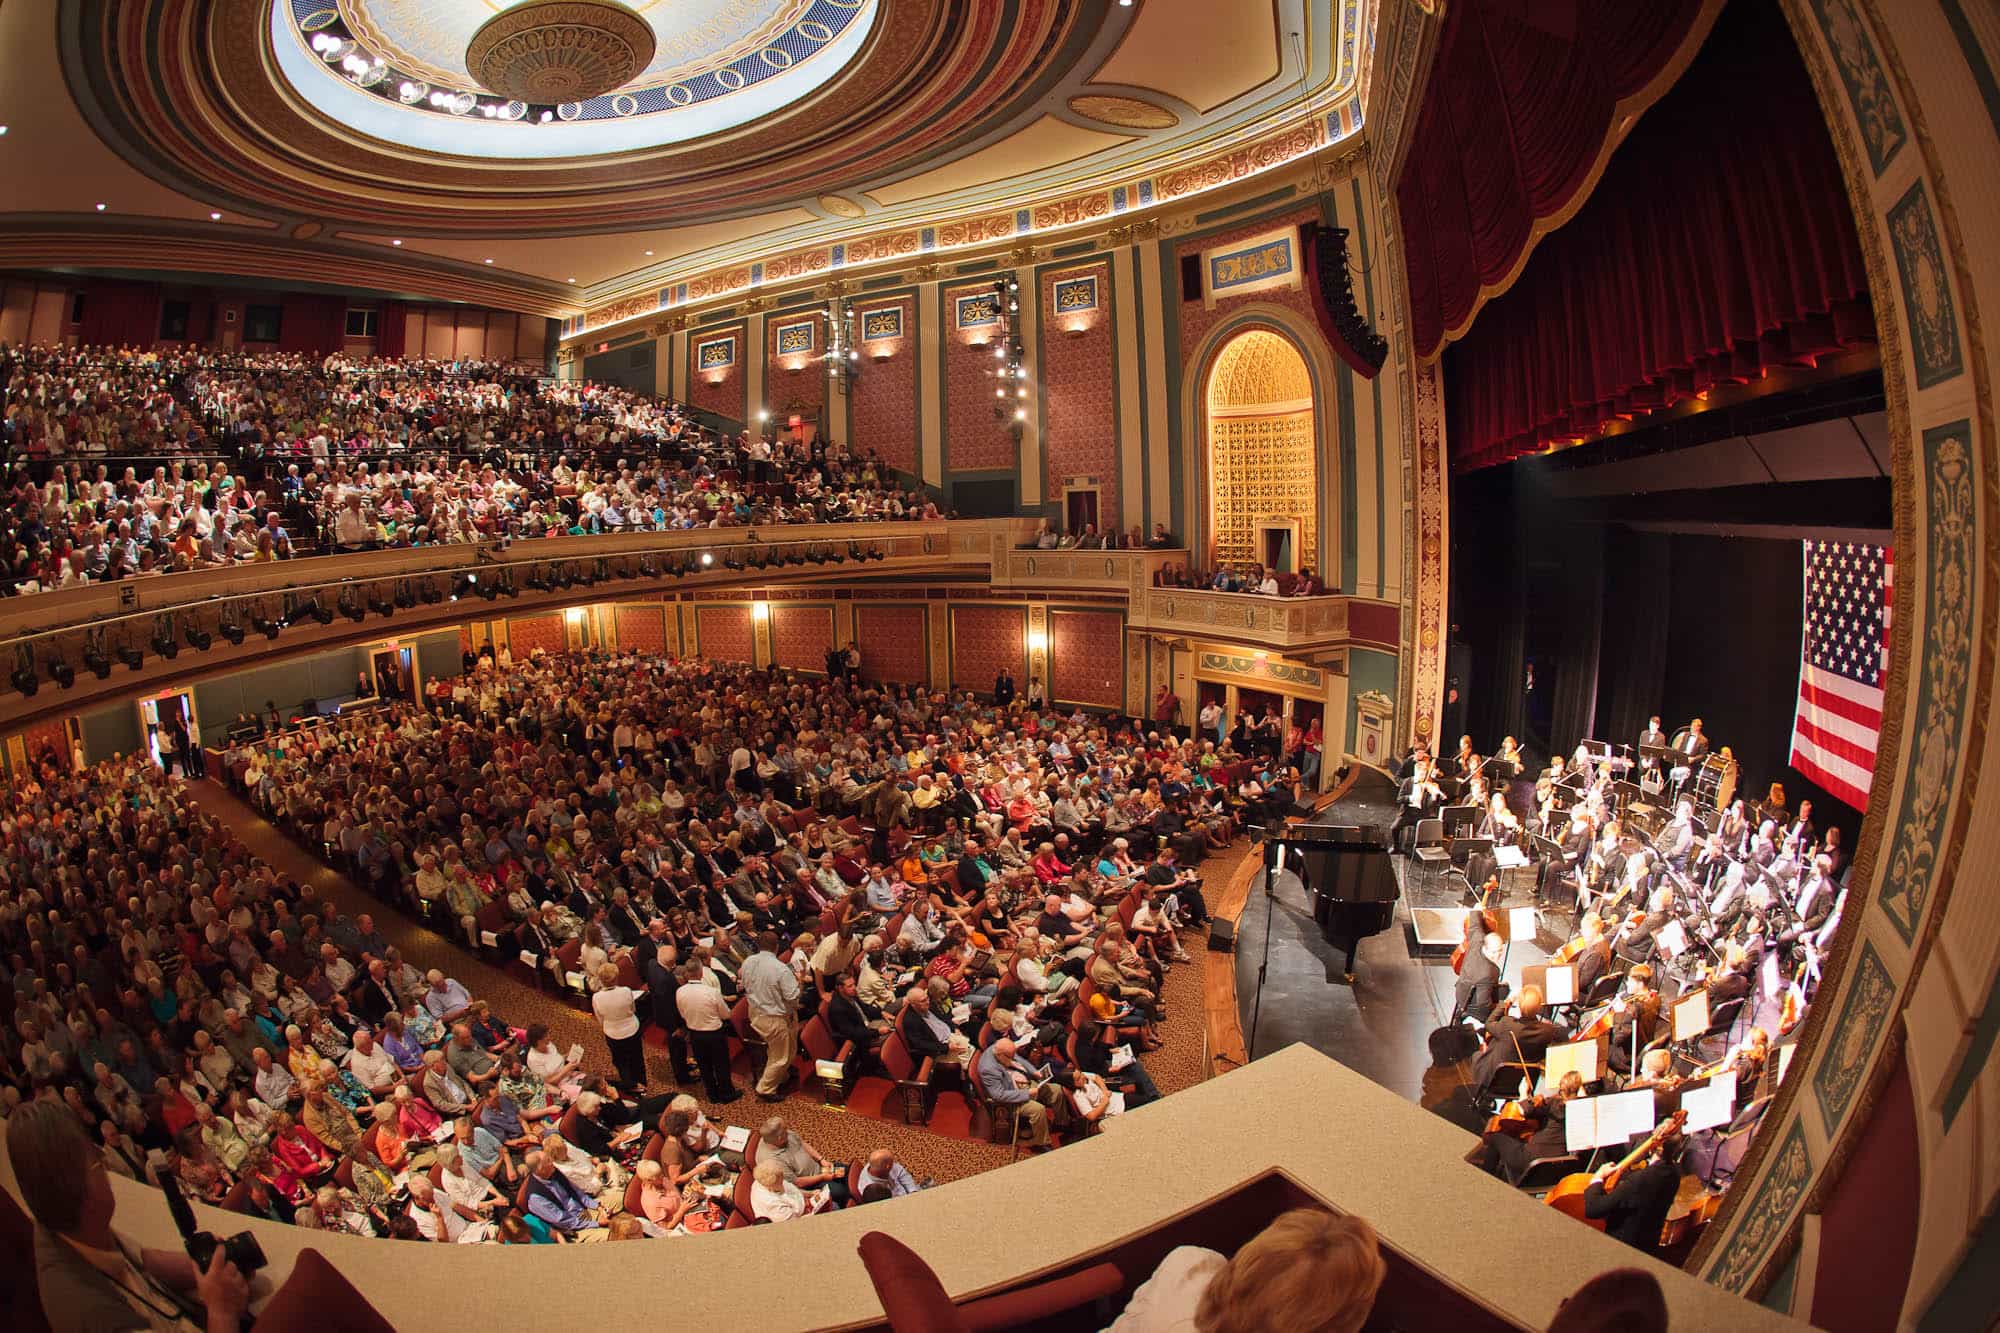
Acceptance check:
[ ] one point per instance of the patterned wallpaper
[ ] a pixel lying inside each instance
(1079, 390)
(801, 636)
(1197, 319)
(528, 633)
(642, 629)
(985, 638)
(1087, 658)
(883, 398)
(796, 382)
(723, 633)
(726, 394)
(49, 737)
(894, 643)
(974, 439)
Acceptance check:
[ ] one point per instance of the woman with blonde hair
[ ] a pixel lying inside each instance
(1309, 1271)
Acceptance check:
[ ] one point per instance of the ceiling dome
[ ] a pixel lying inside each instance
(559, 50)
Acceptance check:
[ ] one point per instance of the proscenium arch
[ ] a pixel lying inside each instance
(1334, 456)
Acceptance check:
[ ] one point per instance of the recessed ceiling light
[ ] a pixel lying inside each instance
(395, 242)
(572, 279)
(489, 261)
(648, 253)
(215, 217)
(3, 129)
(101, 208)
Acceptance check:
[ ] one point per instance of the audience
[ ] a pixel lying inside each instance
(268, 456)
(1308, 1270)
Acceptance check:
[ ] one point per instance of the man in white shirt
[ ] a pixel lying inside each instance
(372, 1066)
(274, 1083)
(773, 994)
(704, 1011)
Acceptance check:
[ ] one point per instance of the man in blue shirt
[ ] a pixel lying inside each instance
(884, 1173)
(554, 1199)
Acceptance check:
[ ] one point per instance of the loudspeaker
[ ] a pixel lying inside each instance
(1221, 936)
(1332, 296)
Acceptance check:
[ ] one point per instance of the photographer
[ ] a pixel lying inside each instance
(92, 1279)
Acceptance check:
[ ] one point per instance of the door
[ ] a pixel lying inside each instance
(1080, 508)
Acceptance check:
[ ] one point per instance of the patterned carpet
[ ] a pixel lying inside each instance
(833, 1131)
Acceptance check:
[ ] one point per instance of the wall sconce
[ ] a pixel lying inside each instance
(1076, 329)
(979, 342)
(716, 376)
(882, 354)
(760, 610)
(1038, 641)
(574, 615)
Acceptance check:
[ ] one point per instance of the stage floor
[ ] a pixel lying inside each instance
(1380, 1025)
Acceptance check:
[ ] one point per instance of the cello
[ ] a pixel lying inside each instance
(1488, 917)
(1567, 1196)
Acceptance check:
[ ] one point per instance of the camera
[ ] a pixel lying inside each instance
(240, 1249)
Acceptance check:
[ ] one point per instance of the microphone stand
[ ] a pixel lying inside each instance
(1274, 865)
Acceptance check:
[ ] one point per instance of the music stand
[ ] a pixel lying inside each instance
(1661, 756)
(1455, 817)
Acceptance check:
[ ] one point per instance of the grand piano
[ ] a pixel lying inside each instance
(1342, 856)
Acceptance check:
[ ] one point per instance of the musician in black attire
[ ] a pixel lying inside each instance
(1516, 1036)
(1636, 1211)
(1477, 989)
(1417, 800)
(1502, 1154)
(1557, 869)
(1633, 1015)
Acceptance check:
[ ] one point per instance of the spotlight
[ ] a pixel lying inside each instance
(405, 599)
(323, 614)
(164, 645)
(26, 681)
(381, 605)
(96, 662)
(706, 559)
(430, 593)
(463, 584)
(198, 638)
(488, 590)
(232, 630)
(62, 673)
(265, 626)
(131, 657)
(509, 588)
(878, 554)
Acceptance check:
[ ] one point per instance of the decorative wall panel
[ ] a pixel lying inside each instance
(723, 634)
(1079, 385)
(526, 634)
(1087, 658)
(1260, 467)
(985, 639)
(894, 643)
(801, 636)
(641, 629)
(882, 399)
(976, 436)
(715, 374)
(795, 379)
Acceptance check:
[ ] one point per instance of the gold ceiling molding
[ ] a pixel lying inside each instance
(1126, 112)
(841, 206)
(559, 50)
(1258, 370)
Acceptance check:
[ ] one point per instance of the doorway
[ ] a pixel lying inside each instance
(172, 733)
(1263, 454)
(1079, 508)
(394, 678)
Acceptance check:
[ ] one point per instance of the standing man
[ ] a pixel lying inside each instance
(1166, 710)
(773, 995)
(1003, 688)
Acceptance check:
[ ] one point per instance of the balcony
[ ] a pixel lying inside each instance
(1298, 626)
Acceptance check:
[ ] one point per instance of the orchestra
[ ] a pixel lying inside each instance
(1677, 888)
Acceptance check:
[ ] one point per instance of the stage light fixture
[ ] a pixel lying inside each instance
(164, 644)
(264, 625)
(707, 559)
(62, 673)
(405, 599)
(96, 662)
(232, 630)
(132, 657)
(198, 638)
(381, 605)
(26, 681)
(489, 590)
(430, 594)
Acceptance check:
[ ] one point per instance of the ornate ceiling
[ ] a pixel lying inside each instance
(348, 138)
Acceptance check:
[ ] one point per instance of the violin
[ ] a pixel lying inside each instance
(1567, 1196)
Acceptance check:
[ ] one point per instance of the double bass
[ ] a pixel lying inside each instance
(1567, 1196)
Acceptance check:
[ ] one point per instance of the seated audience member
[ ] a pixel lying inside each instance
(1308, 1269)
(775, 1197)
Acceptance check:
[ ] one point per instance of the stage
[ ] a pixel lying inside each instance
(1380, 1025)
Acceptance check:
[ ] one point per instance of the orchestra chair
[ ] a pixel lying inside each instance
(1721, 1023)
(1430, 850)
(916, 1302)
(816, 1044)
(633, 1188)
(1604, 989)
(1540, 1176)
(1715, 1154)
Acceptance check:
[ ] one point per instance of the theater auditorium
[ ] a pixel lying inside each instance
(1080, 664)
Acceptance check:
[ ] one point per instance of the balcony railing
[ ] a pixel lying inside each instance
(1296, 624)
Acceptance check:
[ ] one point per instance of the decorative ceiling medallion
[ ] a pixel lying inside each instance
(841, 207)
(1127, 112)
(305, 231)
(560, 50)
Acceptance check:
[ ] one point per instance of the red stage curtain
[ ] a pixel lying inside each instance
(1514, 116)
(390, 327)
(1719, 242)
(312, 324)
(120, 314)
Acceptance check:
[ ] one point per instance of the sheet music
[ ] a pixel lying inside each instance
(1559, 985)
(1580, 1056)
(1611, 1120)
(1672, 941)
(1691, 1015)
(1785, 1054)
(1709, 1107)
(1521, 923)
(1508, 858)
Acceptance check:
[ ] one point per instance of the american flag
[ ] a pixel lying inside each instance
(1843, 657)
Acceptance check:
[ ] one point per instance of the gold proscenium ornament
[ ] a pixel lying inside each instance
(560, 50)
